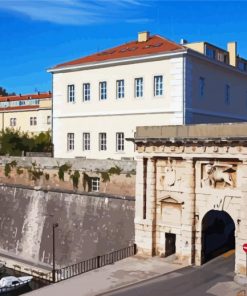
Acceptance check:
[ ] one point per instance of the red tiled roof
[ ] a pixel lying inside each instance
(155, 44)
(26, 97)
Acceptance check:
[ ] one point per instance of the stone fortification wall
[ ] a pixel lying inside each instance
(89, 224)
(116, 177)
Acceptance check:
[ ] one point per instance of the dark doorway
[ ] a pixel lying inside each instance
(217, 234)
(170, 244)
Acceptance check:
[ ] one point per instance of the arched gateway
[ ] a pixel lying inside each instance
(218, 234)
(191, 192)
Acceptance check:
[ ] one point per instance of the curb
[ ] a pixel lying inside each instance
(241, 280)
(138, 282)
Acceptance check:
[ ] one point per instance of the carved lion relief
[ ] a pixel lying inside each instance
(218, 175)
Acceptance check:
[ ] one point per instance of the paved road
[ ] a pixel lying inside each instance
(213, 278)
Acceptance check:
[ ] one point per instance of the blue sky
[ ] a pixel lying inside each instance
(38, 34)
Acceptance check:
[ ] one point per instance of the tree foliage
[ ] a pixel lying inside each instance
(3, 92)
(13, 142)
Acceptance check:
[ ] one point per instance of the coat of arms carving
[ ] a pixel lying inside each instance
(169, 175)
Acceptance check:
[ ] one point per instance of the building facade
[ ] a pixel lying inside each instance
(30, 113)
(99, 100)
(191, 192)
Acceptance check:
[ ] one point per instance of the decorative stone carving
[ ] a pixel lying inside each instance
(218, 173)
(169, 199)
(170, 174)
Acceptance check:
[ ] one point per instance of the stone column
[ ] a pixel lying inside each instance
(188, 214)
(198, 216)
(241, 234)
(139, 189)
(145, 222)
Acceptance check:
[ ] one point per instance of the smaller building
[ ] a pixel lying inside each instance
(27, 113)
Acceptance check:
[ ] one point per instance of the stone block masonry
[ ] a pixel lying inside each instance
(89, 224)
(105, 176)
(191, 192)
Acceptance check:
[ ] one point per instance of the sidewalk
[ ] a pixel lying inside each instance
(122, 273)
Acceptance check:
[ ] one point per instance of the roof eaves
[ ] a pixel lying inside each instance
(118, 61)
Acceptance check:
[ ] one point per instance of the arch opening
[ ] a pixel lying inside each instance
(218, 234)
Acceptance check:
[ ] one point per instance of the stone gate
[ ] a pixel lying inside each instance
(184, 175)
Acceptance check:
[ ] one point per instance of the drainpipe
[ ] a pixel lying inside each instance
(184, 89)
(194, 216)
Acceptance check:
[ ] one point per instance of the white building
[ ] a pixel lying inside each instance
(99, 100)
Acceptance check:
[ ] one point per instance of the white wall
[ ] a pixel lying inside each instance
(211, 107)
(115, 115)
(123, 115)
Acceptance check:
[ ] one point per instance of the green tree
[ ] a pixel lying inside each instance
(42, 142)
(3, 92)
(13, 142)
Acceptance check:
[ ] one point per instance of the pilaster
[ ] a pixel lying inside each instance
(145, 222)
(188, 218)
(139, 189)
(241, 235)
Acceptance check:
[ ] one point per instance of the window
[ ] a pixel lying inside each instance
(70, 141)
(242, 66)
(120, 141)
(221, 56)
(120, 89)
(158, 85)
(86, 141)
(201, 86)
(22, 103)
(102, 141)
(210, 52)
(12, 121)
(227, 94)
(33, 120)
(103, 90)
(48, 120)
(86, 92)
(14, 103)
(71, 93)
(138, 87)
(95, 184)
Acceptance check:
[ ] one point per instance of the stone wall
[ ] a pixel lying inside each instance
(89, 224)
(179, 183)
(116, 177)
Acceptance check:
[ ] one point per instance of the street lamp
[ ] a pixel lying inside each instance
(54, 225)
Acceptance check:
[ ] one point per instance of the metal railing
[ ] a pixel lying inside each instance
(92, 263)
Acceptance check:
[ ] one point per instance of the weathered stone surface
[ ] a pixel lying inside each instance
(88, 225)
(116, 176)
(191, 176)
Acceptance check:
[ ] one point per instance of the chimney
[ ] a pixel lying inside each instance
(232, 49)
(183, 41)
(143, 36)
